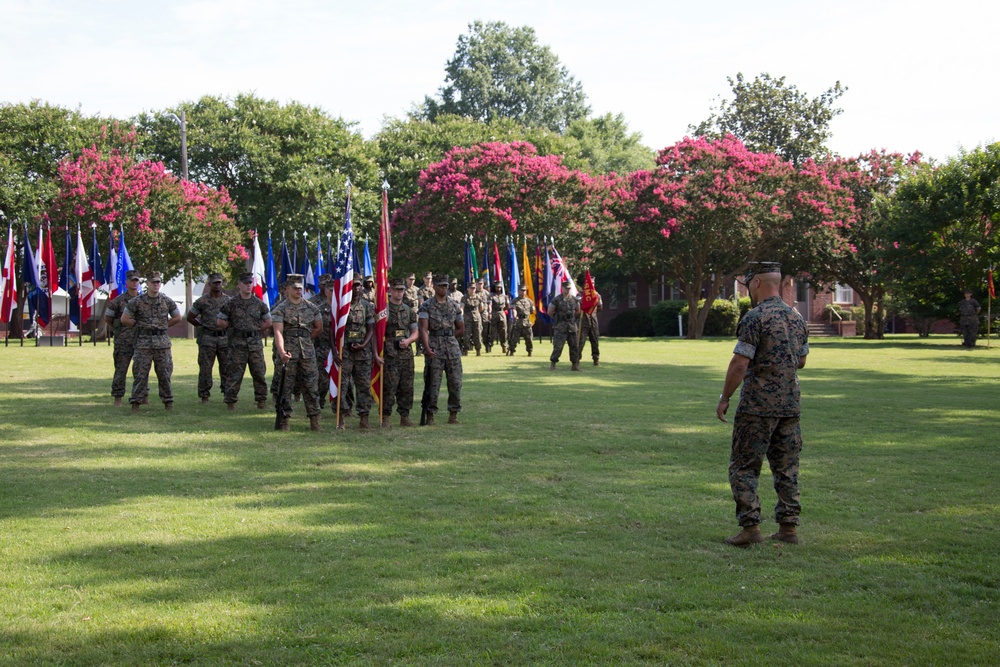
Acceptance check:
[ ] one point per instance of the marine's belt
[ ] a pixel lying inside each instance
(442, 333)
(213, 332)
(152, 331)
(295, 333)
(246, 334)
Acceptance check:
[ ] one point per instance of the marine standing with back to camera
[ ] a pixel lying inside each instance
(772, 344)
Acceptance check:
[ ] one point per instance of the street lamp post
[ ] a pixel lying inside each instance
(188, 279)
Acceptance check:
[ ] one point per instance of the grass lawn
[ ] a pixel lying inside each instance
(571, 519)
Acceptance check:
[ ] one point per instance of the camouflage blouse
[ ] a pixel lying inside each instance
(123, 335)
(151, 314)
(401, 321)
(773, 337)
(441, 319)
(297, 320)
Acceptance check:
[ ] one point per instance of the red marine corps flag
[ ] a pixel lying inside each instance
(383, 262)
(590, 298)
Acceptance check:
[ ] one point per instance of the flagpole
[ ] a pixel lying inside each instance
(989, 308)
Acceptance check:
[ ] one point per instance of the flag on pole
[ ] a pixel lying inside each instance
(475, 263)
(590, 297)
(68, 281)
(96, 268)
(368, 262)
(540, 272)
(468, 276)
(343, 283)
(270, 275)
(497, 273)
(308, 279)
(993, 292)
(84, 276)
(45, 266)
(561, 273)
(381, 276)
(547, 281)
(286, 261)
(124, 263)
(111, 268)
(513, 272)
(29, 276)
(320, 261)
(260, 272)
(528, 286)
(8, 281)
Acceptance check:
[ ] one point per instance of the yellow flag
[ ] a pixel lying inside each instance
(529, 283)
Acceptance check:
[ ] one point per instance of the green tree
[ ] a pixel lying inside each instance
(945, 222)
(503, 72)
(605, 145)
(283, 165)
(34, 138)
(770, 116)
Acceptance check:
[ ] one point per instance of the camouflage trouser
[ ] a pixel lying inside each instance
(322, 374)
(498, 332)
(562, 335)
(162, 361)
(519, 330)
(209, 349)
(123, 358)
(241, 355)
(398, 387)
(970, 332)
(590, 333)
(300, 374)
(358, 367)
(473, 338)
(780, 440)
(453, 369)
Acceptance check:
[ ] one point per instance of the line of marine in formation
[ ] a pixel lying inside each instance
(446, 324)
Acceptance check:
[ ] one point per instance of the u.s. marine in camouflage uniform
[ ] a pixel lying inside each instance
(772, 344)
(152, 314)
(473, 310)
(358, 356)
(499, 303)
(296, 322)
(565, 313)
(245, 317)
(522, 308)
(411, 295)
(124, 336)
(441, 323)
(213, 342)
(322, 300)
(968, 321)
(397, 368)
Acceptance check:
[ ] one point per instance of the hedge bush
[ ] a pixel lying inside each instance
(634, 322)
(665, 317)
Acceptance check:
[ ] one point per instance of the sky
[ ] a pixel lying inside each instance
(920, 75)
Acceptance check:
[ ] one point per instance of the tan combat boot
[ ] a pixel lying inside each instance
(552, 366)
(453, 418)
(575, 366)
(386, 421)
(283, 425)
(204, 399)
(787, 532)
(314, 423)
(231, 407)
(168, 406)
(135, 408)
(749, 536)
(261, 405)
(404, 420)
(118, 401)
(430, 419)
(363, 424)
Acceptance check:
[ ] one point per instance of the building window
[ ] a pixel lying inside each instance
(675, 292)
(613, 298)
(633, 295)
(843, 294)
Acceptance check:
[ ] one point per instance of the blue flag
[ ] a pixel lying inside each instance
(286, 261)
(320, 264)
(67, 281)
(270, 275)
(124, 263)
(96, 269)
(514, 280)
(368, 261)
(29, 278)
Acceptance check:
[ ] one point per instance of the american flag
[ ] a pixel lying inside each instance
(343, 284)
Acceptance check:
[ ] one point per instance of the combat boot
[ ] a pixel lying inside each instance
(386, 422)
(597, 362)
(169, 406)
(135, 408)
(529, 353)
(430, 419)
(204, 399)
(230, 406)
(283, 424)
(261, 405)
(363, 424)
(314, 423)
(575, 366)
(787, 532)
(749, 536)
(404, 420)
(552, 366)
(453, 418)
(118, 401)
(479, 353)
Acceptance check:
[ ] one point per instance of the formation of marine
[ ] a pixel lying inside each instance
(445, 322)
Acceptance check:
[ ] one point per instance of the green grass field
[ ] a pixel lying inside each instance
(572, 518)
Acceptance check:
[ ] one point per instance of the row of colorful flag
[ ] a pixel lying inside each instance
(542, 282)
(82, 275)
